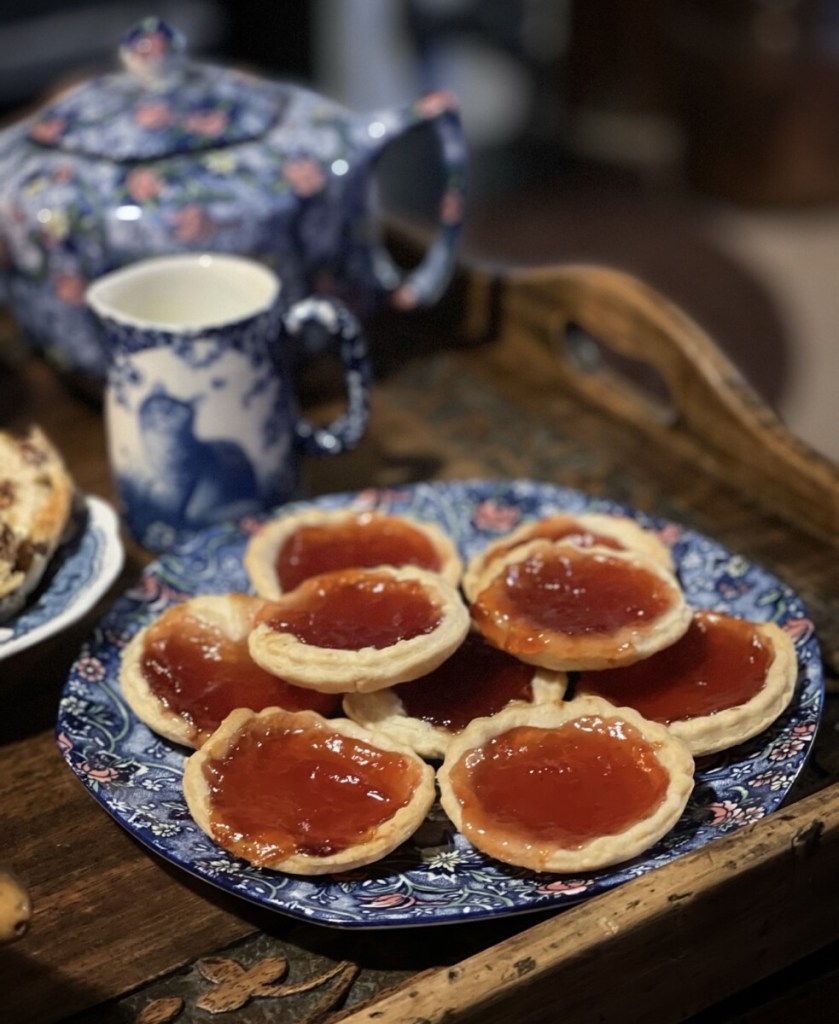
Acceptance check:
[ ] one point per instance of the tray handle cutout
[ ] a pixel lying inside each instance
(640, 357)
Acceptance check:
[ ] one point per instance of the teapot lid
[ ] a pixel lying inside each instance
(161, 104)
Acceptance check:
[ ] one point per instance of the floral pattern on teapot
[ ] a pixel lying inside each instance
(194, 157)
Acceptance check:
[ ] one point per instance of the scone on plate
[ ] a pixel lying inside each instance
(360, 629)
(565, 787)
(36, 502)
(187, 670)
(723, 682)
(475, 681)
(585, 529)
(295, 792)
(569, 608)
(296, 546)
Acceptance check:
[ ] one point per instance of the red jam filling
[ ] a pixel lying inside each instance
(476, 680)
(352, 609)
(562, 787)
(202, 675)
(281, 791)
(362, 542)
(559, 528)
(569, 592)
(721, 662)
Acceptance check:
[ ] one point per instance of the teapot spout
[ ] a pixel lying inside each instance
(424, 285)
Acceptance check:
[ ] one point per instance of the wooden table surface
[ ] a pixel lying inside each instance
(479, 387)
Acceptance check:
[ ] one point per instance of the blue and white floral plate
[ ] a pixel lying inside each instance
(437, 877)
(80, 572)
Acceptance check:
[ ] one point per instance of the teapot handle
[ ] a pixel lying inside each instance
(423, 285)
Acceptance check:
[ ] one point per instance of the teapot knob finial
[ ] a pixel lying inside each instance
(153, 51)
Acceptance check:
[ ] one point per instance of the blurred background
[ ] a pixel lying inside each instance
(694, 143)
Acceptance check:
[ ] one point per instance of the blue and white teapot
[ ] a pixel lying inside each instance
(172, 155)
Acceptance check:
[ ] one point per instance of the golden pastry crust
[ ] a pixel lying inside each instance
(387, 836)
(711, 733)
(624, 532)
(560, 651)
(264, 547)
(232, 615)
(384, 713)
(537, 852)
(345, 669)
(36, 502)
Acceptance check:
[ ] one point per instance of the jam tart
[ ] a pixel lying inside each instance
(188, 669)
(723, 682)
(360, 629)
(36, 504)
(475, 681)
(296, 546)
(295, 792)
(568, 608)
(568, 787)
(585, 529)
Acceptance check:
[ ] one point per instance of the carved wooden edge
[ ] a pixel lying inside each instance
(233, 986)
(675, 941)
(735, 433)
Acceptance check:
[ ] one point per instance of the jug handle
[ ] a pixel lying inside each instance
(347, 430)
(423, 285)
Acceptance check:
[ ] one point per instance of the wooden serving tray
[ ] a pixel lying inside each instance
(577, 375)
(729, 915)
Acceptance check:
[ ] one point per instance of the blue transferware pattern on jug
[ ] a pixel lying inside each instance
(204, 424)
(174, 397)
(193, 478)
(172, 155)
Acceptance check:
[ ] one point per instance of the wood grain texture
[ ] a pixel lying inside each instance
(708, 404)
(481, 386)
(106, 915)
(708, 411)
(777, 503)
(673, 942)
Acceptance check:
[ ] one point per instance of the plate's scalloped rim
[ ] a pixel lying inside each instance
(402, 891)
(102, 531)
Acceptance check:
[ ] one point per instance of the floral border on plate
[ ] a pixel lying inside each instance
(437, 877)
(81, 570)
